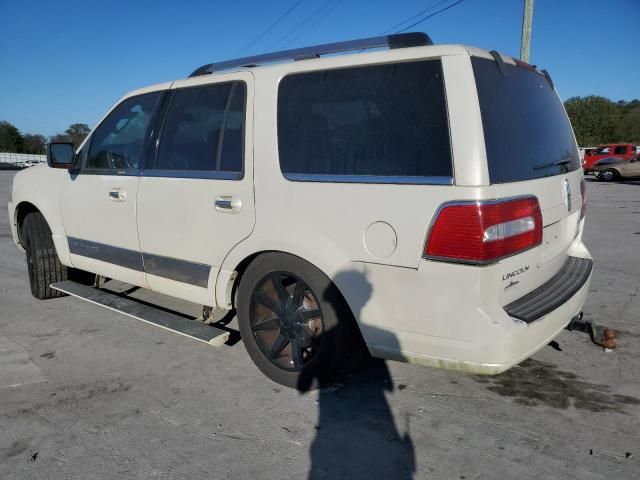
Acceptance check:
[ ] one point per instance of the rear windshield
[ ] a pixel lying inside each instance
(382, 123)
(526, 130)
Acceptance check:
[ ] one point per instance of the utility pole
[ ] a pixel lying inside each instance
(527, 16)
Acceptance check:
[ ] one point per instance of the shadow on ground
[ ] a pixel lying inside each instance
(356, 435)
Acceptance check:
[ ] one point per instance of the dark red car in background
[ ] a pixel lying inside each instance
(624, 151)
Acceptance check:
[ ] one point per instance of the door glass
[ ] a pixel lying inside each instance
(203, 130)
(118, 142)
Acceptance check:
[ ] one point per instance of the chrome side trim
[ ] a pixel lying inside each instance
(106, 253)
(193, 174)
(184, 271)
(306, 177)
(179, 270)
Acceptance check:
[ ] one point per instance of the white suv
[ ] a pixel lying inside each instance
(425, 199)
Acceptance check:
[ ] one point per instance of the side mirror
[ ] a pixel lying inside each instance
(60, 155)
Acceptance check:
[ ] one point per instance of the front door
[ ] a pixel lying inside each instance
(195, 201)
(98, 202)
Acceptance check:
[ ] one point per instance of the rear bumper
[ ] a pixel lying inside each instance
(554, 293)
(429, 317)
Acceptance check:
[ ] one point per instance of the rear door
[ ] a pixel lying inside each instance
(531, 150)
(622, 151)
(195, 200)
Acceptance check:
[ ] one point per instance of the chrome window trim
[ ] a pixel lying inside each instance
(197, 174)
(126, 172)
(332, 178)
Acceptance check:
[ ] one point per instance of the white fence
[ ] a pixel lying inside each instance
(21, 158)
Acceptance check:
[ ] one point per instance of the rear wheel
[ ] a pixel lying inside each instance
(294, 323)
(608, 175)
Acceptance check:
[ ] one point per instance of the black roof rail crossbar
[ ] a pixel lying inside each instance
(401, 40)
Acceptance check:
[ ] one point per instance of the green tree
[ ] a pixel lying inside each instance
(59, 137)
(77, 133)
(34, 144)
(11, 139)
(594, 119)
(628, 129)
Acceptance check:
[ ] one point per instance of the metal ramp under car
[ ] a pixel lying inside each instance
(145, 312)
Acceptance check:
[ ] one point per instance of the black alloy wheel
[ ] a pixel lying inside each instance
(286, 320)
(294, 323)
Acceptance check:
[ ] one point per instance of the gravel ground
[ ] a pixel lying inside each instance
(87, 393)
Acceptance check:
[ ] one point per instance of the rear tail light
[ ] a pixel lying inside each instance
(484, 232)
(583, 194)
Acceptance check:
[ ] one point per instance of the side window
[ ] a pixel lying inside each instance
(118, 142)
(620, 150)
(374, 121)
(204, 129)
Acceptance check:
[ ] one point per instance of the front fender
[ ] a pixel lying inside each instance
(40, 186)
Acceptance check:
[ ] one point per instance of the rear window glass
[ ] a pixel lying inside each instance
(380, 122)
(526, 130)
(620, 150)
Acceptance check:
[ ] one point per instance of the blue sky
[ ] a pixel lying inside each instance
(67, 61)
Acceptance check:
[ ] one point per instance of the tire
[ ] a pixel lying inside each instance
(286, 305)
(609, 175)
(43, 265)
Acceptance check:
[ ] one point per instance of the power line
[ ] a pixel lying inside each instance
(318, 20)
(273, 25)
(296, 29)
(414, 16)
(429, 16)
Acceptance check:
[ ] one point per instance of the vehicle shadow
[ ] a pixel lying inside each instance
(356, 435)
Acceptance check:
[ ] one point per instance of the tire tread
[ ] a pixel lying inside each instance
(46, 264)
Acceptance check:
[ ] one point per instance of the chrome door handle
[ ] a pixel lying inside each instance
(117, 195)
(228, 204)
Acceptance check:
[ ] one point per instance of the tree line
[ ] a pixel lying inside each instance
(597, 120)
(13, 141)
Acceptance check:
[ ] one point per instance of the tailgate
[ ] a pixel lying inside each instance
(560, 201)
(530, 150)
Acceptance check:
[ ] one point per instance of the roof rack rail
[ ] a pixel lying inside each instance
(402, 40)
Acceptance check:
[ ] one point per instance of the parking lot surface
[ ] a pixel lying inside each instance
(86, 393)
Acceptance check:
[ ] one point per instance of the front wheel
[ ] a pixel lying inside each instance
(293, 321)
(43, 265)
